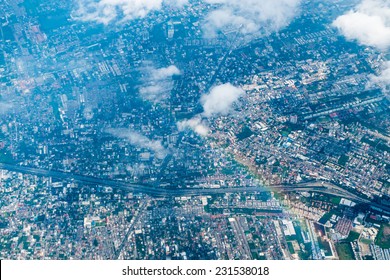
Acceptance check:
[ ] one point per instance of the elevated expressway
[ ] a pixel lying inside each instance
(155, 191)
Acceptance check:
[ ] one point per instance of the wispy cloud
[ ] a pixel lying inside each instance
(157, 82)
(137, 139)
(218, 102)
(106, 11)
(196, 124)
(252, 17)
(383, 79)
(164, 73)
(5, 107)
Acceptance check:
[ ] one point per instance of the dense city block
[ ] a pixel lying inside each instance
(162, 132)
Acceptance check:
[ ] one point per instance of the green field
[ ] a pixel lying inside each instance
(383, 237)
(325, 218)
(290, 248)
(6, 157)
(324, 245)
(365, 241)
(353, 235)
(343, 160)
(344, 250)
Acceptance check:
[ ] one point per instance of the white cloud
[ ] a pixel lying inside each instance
(220, 99)
(105, 11)
(164, 73)
(155, 92)
(196, 124)
(384, 78)
(218, 102)
(368, 23)
(158, 83)
(252, 17)
(139, 140)
(176, 3)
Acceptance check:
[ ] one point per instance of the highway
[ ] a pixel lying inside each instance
(154, 191)
(322, 187)
(127, 186)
